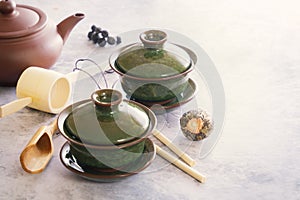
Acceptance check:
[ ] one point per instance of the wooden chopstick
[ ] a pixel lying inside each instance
(186, 158)
(181, 165)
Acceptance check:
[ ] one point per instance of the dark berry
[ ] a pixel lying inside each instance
(118, 39)
(90, 34)
(93, 27)
(102, 43)
(98, 30)
(111, 40)
(95, 38)
(100, 39)
(104, 33)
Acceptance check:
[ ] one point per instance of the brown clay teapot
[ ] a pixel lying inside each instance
(29, 38)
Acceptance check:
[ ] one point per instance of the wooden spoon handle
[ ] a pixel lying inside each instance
(53, 127)
(14, 106)
(50, 130)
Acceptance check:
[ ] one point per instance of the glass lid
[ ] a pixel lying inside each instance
(107, 120)
(153, 58)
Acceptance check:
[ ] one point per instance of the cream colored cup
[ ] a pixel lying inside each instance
(41, 89)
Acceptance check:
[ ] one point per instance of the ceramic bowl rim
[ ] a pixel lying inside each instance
(115, 177)
(63, 115)
(117, 53)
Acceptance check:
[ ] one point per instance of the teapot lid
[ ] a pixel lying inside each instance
(108, 120)
(19, 20)
(154, 57)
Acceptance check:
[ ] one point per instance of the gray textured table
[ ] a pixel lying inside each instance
(255, 48)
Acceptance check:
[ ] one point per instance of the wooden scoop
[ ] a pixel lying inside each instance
(38, 152)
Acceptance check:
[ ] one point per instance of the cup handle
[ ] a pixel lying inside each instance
(14, 106)
(72, 76)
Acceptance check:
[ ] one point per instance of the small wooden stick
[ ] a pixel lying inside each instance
(181, 165)
(174, 148)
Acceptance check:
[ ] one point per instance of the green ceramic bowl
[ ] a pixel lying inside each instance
(115, 158)
(159, 91)
(152, 71)
(106, 132)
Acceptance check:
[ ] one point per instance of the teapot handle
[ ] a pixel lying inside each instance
(7, 7)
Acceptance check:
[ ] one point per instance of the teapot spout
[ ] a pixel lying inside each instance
(65, 27)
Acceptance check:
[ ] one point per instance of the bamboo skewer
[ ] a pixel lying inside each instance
(181, 165)
(186, 158)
